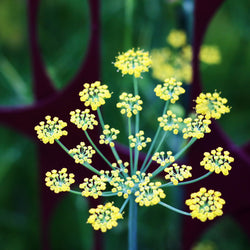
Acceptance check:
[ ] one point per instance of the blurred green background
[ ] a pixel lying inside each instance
(63, 37)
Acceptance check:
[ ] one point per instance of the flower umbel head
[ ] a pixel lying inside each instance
(139, 141)
(205, 204)
(177, 173)
(211, 105)
(94, 94)
(217, 161)
(169, 122)
(133, 62)
(94, 186)
(50, 130)
(196, 127)
(160, 158)
(104, 217)
(177, 38)
(83, 119)
(129, 105)
(59, 181)
(109, 135)
(170, 90)
(82, 154)
(150, 194)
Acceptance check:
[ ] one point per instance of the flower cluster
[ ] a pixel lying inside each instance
(133, 62)
(175, 59)
(83, 119)
(129, 105)
(217, 161)
(211, 105)
(139, 141)
(170, 90)
(59, 181)
(94, 186)
(160, 158)
(109, 135)
(131, 181)
(196, 128)
(94, 94)
(169, 122)
(104, 217)
(177, 173)
(51, 130)
(205, 204)
(82, 154)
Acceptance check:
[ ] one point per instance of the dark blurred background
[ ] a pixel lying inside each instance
(63, 37)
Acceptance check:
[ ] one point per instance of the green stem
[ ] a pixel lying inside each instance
(97, 150)
(124, 205)
(187, 182)
(129, 9)
(100, 117)
(108, 194)
(155, 138)
(130, 149)
(132, 224)
(174, 209)
(85, 164)
(177, 156)
(75, 192)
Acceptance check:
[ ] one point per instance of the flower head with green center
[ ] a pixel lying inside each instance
(109, 135)
(83, 119)
(94, 186)
(217, 161)
(170, 122)
(177, 173)
(51, 130)
(94, 94)
(139, 141)
(170, 90)
(129, 105)
(211, 105)
(104, 217)
(210, 54)
(59, 181)
(149, 194)
(82, 154)
(133, 62)
(205, 204)
(160, 158)
(196, 127)
(177, 38)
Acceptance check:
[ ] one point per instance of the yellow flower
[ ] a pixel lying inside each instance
(83, 119)
(94, 186)
(82, 153)
(160, 158)
(177, 173)
(205, 204)
(109, 135)
(170, 90)
(133, 62)
(177, 38)
(51, 130)
(217, 161)
(150, 194)
(196, 127)
(94, 94)
(104, 217)
(210, 54)
(138, 141)
(59, 181)
(170, 122)
(211, 105)
(129, 104)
